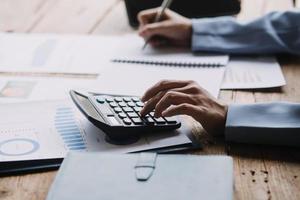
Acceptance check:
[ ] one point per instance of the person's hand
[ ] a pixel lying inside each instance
(173, 29)
(170, 98)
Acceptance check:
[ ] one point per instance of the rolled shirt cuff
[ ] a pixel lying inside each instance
(275, 123)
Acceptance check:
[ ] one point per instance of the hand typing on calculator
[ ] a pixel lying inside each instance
(171, 97)
(122, 117)
(119, 116)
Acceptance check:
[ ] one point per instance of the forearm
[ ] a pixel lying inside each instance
(270, 123)
(273, 33)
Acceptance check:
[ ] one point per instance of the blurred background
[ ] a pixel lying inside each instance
(110, 16)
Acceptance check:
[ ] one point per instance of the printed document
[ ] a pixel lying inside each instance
(49, 129)
(54, 53)
(24, 89)
(253, 72)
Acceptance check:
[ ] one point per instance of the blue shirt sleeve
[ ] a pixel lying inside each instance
(276, 123)
(276, 32)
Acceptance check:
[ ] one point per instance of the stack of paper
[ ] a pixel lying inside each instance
(93, 55)
(48, 129)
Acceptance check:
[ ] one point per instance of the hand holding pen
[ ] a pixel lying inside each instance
(171, 29)
(159, 14)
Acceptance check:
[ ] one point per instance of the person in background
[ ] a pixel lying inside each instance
(276, 123)
(276, 32)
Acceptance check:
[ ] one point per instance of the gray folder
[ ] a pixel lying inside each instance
(96, 176)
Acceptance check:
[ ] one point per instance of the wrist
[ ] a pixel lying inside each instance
(221, 122)
(189, 31)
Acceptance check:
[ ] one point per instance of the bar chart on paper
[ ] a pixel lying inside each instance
(49, 129)
(67, 127)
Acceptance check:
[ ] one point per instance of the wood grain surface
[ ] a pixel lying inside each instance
(261, 172)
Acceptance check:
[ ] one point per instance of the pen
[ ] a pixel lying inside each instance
(165, 4)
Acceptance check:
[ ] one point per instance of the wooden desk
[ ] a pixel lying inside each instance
(261, 172)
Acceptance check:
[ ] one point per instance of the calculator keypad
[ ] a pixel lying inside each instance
(126, 110)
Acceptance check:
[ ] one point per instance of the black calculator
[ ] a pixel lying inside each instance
(118, 116)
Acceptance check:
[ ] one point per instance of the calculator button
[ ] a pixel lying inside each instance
(137, 121)
(149, 120)
(131, 104)
(135, 99)
(109, 99)
(171, 120)
(128, 109)
(127, 121)
(139, 104)
(122, 115)
(118, 99)
(118, 109)
(137, 109)
(122, 104)
(100, 100)
(160, 120)
(127, 99)
(113, 104)
(132, 115)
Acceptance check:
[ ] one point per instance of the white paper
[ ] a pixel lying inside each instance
(130, 49)
(49, 129)
(54, 53)
(24, 89)
(96, 140)
(128, 79)
(253, 72)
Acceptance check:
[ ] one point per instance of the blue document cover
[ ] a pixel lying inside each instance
(94, 176)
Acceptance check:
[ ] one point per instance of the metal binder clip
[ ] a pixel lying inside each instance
(145, 166)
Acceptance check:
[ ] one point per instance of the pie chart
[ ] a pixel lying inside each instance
(18, 147)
